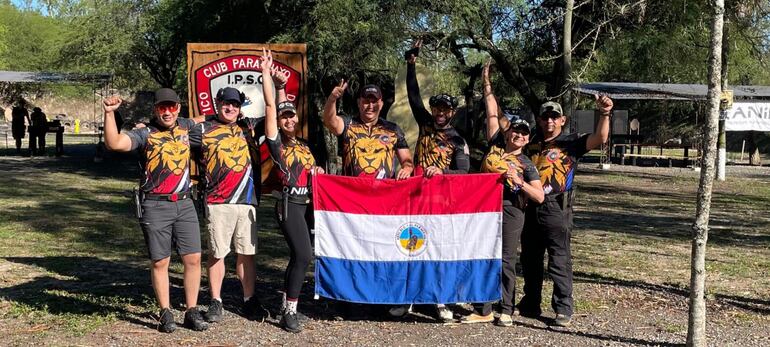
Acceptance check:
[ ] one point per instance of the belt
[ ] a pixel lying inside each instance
(168, 197)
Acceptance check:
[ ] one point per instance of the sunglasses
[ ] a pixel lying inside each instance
(549, 115)
(166, 107)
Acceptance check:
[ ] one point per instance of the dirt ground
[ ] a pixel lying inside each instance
(72, 269)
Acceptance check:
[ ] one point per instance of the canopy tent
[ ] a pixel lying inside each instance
(665, 91)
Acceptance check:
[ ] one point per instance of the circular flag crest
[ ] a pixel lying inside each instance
(411, 239)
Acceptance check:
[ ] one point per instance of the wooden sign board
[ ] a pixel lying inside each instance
(212, 66)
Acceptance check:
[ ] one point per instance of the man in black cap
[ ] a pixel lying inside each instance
(168, 217)
(231, 174)
(370, 145)
(549, 225)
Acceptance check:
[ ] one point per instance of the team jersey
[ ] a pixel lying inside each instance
(229, 159)
(557, 160)
(498, 161)
(371, 152)
(442, 148)
(165, 154)
(293, 161)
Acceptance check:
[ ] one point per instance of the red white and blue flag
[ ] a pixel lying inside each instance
(417, 241)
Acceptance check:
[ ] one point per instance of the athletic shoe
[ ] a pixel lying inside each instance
(505, 320)
(477, 318)
(562, 320)
(194, 320)
(399, 311)
(290, 322)
(528, 313)
(445, 314)
(214, 313)
(166, 322)
(301, 317)
(254, 309)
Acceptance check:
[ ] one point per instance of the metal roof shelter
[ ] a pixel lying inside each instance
(665, 91)
(54, 77)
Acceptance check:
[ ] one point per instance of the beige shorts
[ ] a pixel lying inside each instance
(232, 222)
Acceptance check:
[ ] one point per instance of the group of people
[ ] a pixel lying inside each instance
(36, 124)
(537, 201)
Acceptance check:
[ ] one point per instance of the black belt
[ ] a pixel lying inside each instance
(167, 197)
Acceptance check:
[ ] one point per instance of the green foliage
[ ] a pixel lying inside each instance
(31, 40)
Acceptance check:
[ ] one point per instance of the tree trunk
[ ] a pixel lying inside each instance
(566, 47)
(696, 325)
(722, 140)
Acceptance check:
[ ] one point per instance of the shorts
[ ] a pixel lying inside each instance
(169, 223)
(232, 222)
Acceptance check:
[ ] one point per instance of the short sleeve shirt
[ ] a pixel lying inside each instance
(557, 160)
(371, 152)
(293, 161)
(438, 147)
(165, 156)
(230, 159)
(498, 161)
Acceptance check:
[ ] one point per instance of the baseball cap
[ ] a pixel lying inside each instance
(519, 123)
(230, 94)
(166, 95)
(370, 90)
(286, 106)
(443, 99)
(550, 106)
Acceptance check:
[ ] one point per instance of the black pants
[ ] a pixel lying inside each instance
(295, 226)
(548, 227)
(513, 223)
(37, 142)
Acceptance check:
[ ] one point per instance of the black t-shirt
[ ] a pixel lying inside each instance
(230, 159)
(370, 152)
(165, 156)
(498, 161)
(557, 160)
(442, 148)
(293, 161)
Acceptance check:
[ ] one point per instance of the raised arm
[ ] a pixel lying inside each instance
(114, 140)
(493, 124)
(280, 80)
(602, 132)
(332, 121)
(271, 113)
(420, 113)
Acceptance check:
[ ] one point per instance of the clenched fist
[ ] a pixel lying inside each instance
(110, 104)
(603, 104)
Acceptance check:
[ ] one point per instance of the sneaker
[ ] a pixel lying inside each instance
(562, 320)
(214, 313)
(399, 311)
(477, 318)
(301, 317)
(528, 313)
(254, 309)
(290, 322)
(505, 320)
(445, 314)
(166, 322)
(193, 319)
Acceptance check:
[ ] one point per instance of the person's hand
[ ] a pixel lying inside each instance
(279, 78)
(603, 104)
(432, 171)
(110, 104)
(140, 125)
(404, 173)
(339, 90)
(317, 170)
(267, 61)
(485, 71)
(411, 55)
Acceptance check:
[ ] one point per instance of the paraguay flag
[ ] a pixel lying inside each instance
(417, 241)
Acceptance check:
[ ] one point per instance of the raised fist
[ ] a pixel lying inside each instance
(110, 104)
(603, 104)
(411, 55)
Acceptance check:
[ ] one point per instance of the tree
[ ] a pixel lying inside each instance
(696, 327)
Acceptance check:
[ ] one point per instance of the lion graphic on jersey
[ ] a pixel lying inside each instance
(371, 152)
(299, 154)
(434, 151)
(497, 161)
(554, 166)
(169, 152)
(226, 148)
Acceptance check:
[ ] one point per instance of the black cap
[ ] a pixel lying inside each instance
(286, 106)
(519, 123)
(230, 94)
(443, 99)
(166, 95)
(370, 90)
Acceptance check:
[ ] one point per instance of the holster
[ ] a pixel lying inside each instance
(281, 206)
(566, 199)
(138, 199)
